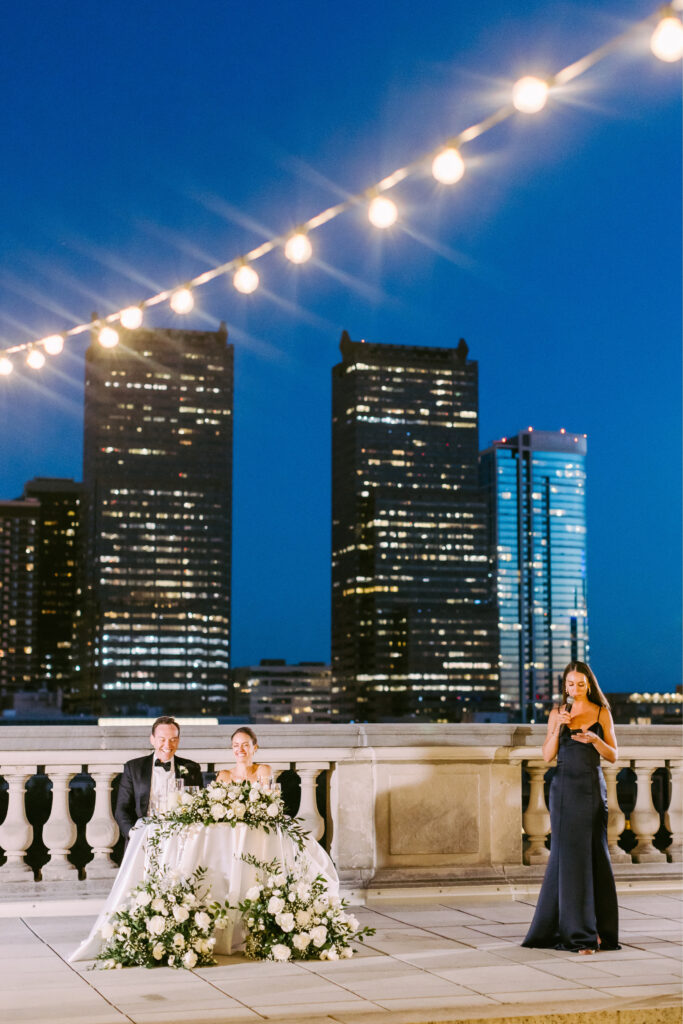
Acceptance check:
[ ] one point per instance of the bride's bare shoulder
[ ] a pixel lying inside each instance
(263, 771)
(225, 775)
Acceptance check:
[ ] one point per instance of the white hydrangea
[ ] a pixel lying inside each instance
(281, 952)
(275, 905)
(319, 935)
(156, 925)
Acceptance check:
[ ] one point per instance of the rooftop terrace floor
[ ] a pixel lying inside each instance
(433, 959)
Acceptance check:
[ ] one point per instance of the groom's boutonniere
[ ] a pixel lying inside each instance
(182, 770)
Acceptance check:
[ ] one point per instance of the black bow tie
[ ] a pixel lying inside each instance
(166, 765)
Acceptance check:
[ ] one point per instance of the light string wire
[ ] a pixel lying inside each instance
(386, 183)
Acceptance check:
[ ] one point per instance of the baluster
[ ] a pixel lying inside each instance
(308, 807)
(102, 831)
(536, 818)
(616, 819)
(59, 833)
(16, 834)
(644, 817)
(673, 819)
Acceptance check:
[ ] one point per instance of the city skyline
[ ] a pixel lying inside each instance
(556, 258)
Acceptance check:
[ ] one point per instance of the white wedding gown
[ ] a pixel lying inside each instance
(219, 848)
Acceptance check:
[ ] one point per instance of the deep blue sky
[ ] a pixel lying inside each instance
(144, 142)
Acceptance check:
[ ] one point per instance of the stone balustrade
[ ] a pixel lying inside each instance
(397, 805)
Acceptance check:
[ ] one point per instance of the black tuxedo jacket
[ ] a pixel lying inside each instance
(136, 783)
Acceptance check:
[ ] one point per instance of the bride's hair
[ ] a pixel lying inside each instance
(247, 732)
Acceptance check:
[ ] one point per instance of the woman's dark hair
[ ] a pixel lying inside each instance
(595, 694)
(165, 720)
(247, 732)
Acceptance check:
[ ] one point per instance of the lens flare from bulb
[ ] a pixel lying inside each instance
(131, 318)
(448, 166)
(182, 301)
(382, 212)
(529, 94)
(53, 345)
(5, 366)
(246, 280)
(298, 248)
(35, 359)
(667, 40)
(108, 337)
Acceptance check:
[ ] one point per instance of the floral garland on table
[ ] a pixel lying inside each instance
(166, 922)
(290, 916)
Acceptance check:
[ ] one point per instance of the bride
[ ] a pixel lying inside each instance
(220, 848)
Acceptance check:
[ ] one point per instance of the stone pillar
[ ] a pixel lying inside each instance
(102, 831)
(644, 817)
(308, 806)
(673, 819)
(16, 834)
(353, 846)
(536, 818)
(59, 834)
(616, 819)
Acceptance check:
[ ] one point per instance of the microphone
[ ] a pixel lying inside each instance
(568, 704)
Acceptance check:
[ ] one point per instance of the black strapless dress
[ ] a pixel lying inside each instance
(578, 898)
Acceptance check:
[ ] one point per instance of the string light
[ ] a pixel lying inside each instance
(108, 337)
(382, 212)
(35, 359)
(298, 248)
(448, 166)
(246, 279)
(53, 345)
(529, 94)
(667, 39)
(6, 366)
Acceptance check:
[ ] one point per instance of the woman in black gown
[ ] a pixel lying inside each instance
(577, 905)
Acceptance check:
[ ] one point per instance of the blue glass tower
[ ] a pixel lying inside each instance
(537, 512)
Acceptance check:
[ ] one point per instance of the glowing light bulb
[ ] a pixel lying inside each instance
(298, 248)
(53, 345)
(5, 366)
(246, 279)
(108, 337)
(382, 212)
(667, 40)
(182, 301)
(35, 359)
(529, 94)
(131, 318)
(448, 166)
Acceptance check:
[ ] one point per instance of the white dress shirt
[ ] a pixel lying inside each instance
(163, 783)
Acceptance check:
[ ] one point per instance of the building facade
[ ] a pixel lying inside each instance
(19, 533)
(274, 691)
(413, 625)
(536, 486)
(158, 474)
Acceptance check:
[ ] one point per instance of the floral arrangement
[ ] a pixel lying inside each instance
(291, 916)
(166, 922)
(232, 803)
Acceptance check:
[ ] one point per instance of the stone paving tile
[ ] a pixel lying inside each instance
(302, 1011)
(435, 962)
(649, 991)
(305, 987)
(242, 1015)
(498, 911)
(425, 917)
(471, 1001)
(491, 980)
(649, 966)
(415, 985)
(398, 942)
(547, 1002)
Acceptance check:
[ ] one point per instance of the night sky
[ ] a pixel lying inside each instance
(145, 142)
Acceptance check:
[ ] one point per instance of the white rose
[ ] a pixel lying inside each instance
(190, 959)
(108, 965)
(171, 960)
(332, 954)
(106, 931)
(303, 892)
(281, 952)
(320, 905)
(158, 951)
(239, 809)
(158, 904)
(189, 899)
(234, 792)
(253, 795)
(217, 793)
(123, 932)
(353, 923)
(335, 902)
(253, 893)
(347, 952)
(181, 914)
(286, 921)
(202, 946)
(301, 940)
(143, 899)
(186, 798)
(156, 925)
(273, 810)
(319, 935)
(303, 917)
(178, 941)
(275, 905)
(202, 920)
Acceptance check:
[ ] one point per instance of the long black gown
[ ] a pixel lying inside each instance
(578, 898)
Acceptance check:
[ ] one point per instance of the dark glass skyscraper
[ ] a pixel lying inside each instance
(536, 484)
(19, 531)
(158, 472)
(413, 630)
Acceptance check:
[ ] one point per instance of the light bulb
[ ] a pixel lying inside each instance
(246, 279)
(131, 318)
(5, 366)
(448, 166)
(108, 337)
(35, 359)
(53, 345)
(667, 40)
(298, 248)
(382, 212)
(529, 94)
(182, 301)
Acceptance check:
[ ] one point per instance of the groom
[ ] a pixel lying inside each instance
(144, 777)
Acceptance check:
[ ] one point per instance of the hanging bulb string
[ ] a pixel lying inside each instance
(466, 135)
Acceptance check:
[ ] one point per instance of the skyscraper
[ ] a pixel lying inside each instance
(413, 630)
(158, 472)
(19, 526)
(536, 487)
